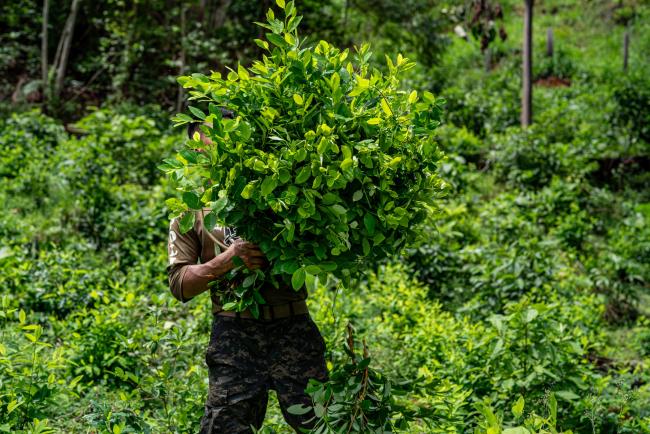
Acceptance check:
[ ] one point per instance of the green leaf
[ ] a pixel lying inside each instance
(567, 395)
(298, 99)
(186, 222)
(366, 246)
(303, 175)
(249, 280)
(181, 119)
(261, 43)
(220, 204)
(347, 163)
(229, 306)
(374, 121)
(531, 314)
(13, 405)
(313, 269)
(385, 107)
(280, 3)
(247, 192)
(276, 40)
(369, 222)
(299, 409)
(298, 278)
(210, 221)
(197, 112)
(190, 156)
(192, 200)
(242, 73)
(357, 195)
(552, 409)
(518, 407)
(268, 185)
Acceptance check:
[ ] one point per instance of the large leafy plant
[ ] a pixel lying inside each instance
(360, 399)
(326, 165)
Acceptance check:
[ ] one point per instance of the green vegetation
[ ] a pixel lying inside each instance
(326, 165)
(523, 308)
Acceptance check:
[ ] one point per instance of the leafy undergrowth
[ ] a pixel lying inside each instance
(523, 309)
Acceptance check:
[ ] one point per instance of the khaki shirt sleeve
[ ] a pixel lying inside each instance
(182, 250)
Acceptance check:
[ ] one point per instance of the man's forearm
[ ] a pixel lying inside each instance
(196, 277)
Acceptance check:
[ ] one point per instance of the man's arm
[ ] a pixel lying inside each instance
(196, 277)
(188, 279)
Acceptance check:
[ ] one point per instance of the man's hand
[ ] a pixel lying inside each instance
(249, 253)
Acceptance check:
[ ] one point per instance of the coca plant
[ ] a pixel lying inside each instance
(327, 165)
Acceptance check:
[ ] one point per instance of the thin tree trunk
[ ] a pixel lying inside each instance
(626, 50)
(66, 43)
(549, 42)
(527, 88)
(57, 54)
(220, 13)
(44, 60)
(181, 91)
(202, 6)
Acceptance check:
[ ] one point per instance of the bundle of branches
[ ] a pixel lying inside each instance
(326, 165)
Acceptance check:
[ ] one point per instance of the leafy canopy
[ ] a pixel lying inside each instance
(326, 165)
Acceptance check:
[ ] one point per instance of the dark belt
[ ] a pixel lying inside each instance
(271, 312)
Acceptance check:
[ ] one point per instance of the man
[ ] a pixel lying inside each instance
(246, 357)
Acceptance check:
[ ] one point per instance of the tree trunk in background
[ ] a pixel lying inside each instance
(626, 49)
(44, 60)
(527, 88)
(549, 42)
(65, 44)
(181, 91)
(202, 6)
(220, 14)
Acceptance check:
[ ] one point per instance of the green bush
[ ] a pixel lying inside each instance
(560, 65)
(107, 180)
(528, 349)
(631, 94)
(327, 164)
(484, 106)
(27, 142)
(530, 159)
(33, 377)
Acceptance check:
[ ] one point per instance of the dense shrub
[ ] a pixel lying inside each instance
(484, 106)
(632, 96)
(106, 180)
(327, 164)
(528, 349)
(27, 142)
(559, 65)
(530, 159)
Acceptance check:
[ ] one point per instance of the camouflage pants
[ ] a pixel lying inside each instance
(247, 357)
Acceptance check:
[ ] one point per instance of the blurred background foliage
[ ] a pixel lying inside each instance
(531, 281)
